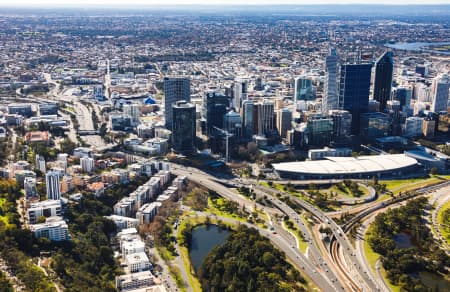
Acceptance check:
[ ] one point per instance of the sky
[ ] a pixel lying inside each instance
(128, 3)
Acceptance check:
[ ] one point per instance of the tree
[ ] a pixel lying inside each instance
(433, 171)
(41, 219)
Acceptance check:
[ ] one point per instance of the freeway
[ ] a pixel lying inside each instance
(365, 280)
(315, 268)
(209, 182)
(313, 251)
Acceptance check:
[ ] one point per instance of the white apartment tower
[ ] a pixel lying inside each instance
(87, 164)
(53, 185)
(440, 88)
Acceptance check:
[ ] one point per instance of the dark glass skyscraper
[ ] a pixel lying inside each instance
(175, 89)
(215, 109)
(183, 127)
(354, 91)
(384, 68)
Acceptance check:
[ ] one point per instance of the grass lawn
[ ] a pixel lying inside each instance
(440, 218)
(215, 209)
(347, 193)
(397, 186)
(302, 244)
(176, 274)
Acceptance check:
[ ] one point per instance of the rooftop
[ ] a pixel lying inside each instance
(348, 165)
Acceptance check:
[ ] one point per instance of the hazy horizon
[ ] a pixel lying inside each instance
(149, 3)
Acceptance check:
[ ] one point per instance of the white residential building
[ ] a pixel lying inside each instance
(29, 185)
(123, 222)
(48, 208)
(87, 164)
(82, 152)
(53, 185)
(147, 212)
(138, 262)
(134, 281)
(55, 229)
(40, 163)
(131, 245)
(440, 93)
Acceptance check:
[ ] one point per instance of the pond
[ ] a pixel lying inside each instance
(402, 240)
(204, 239)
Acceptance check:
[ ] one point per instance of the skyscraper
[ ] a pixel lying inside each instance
(175, 89)
(247, 118)
(303, 88)
(52, 183)
(354, 90)
(330, 99)
(266, 117)
(404, 95)
(440, 87)
(240, 93)
(215, 106)
(232, 123)
(284, 119)
(183, 127)
(384, 68)
(342, 124)
(320, 129)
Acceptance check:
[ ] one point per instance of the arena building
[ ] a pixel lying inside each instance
(362, 167)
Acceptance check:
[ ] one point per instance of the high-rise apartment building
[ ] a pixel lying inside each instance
(87, 164)
(440, 88)
(384, 68)
(330, 99)
(53, 186)
(175, 89)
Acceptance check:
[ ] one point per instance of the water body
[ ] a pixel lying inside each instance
(402, 240)
(204, 239)
(419, 46)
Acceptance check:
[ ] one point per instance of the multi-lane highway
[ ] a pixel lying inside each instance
(314, 267)
(334, 267)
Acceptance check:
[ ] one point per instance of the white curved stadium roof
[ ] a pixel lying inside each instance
(348, 165)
